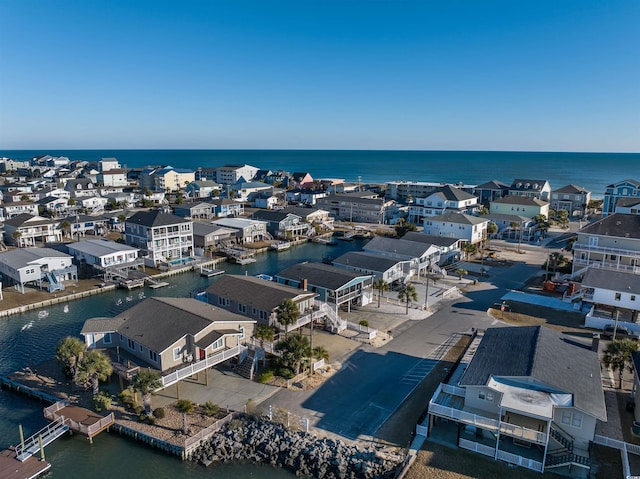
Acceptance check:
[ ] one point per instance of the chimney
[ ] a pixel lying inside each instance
(595, 342)
(303, 284)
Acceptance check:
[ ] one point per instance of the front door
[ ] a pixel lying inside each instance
(203, 354)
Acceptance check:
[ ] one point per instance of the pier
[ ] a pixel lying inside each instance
(11, 468)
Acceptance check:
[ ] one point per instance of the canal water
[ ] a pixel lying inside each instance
(26, 340)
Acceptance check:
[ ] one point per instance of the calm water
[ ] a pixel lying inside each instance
(590, 170)
(26, 340)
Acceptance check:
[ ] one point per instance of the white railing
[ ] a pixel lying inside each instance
(49, 433)
(449, 291)
(324, 310)
(523, 433)
(422, 430)
(198, 366)
(453, 390)
(463, 416)
(519, 460)
(604, 249)
(372, 333)
(477, 447)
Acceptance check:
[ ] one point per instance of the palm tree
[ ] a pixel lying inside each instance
(264, 332)
(407, 293)
(461, 272)
(320, 352)
(492, 229)
(146, 382)
(94, 367)
(294, 350)
(469, 249)
(65, 226)
(69, 352)
(381, 285)
(287, 313)
(517, 227)
(185, 406)
(16, 236)
(617, 356)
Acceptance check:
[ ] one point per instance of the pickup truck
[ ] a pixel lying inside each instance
(622, 332)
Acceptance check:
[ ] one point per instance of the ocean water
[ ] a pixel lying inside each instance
(593, 171)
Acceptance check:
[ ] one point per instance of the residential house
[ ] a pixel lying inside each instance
(628, 206)
(445, 199)
(224, 207)
(113, 177)
(336, 286)
(34, 266)
(12, 210)
(197, 209)
(449, 247)
(505, 224)
(244, 191)
(258, 299)
(267, 200)
(305, 197)
(206, 174)
(247, 231)
(54, 206)
(18, 196)
(491, 191)
(622, 189)
(315, 216)
(7, 165)
(571, 198)
(81, 187)
(202, 189)
(232, 174)
(420, 256)
(80, 225)
(406, 191)
(108, 164)
(521, 206)
(105, 256)
(282, 225)
(300, 180)
(527, 188)
(390, 270)
(525, 395)
(170, 333)
(93, 204)
(166, 179)
(27, 230)
(612, 242)
(125, 200)
(161, 237)
(360, 207)
(208, 237)
(613, 296)
(470, 229)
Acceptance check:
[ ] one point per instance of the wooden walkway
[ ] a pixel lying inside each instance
(11, 468)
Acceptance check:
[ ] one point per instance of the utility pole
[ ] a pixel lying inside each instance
(426, 296)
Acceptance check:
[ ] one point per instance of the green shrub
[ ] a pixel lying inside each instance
(126, 398)
(151, 420)
(285, 372)
(138, 409)
(184, 405)
(266, 376)
(211, 409)
(364, 323)
(158, 412)
(102, 401)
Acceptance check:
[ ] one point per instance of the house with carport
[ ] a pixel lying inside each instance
(526, 395)
(27, 230)
(420, 256)
(36, 266)
(469, 229)
(449, 247)
(335, 286)
(259, 299)
(390, 270)
(194, 210)
(106, 256)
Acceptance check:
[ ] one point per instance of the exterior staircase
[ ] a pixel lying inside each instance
(562, 439)
(247, 367)
(565, 456)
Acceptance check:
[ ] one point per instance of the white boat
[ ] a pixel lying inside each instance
(280, 245)
(119, 302)
(66, 308)
(43, 314)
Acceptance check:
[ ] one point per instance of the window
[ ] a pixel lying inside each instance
(241, 332)
(218, 344)
(618, 296)
(131, 344)
(107, 338)
(566, 417)
(153, 356)
(242, 308)
(633, 297)
(176, 354)
(485, 395)
(576, 420)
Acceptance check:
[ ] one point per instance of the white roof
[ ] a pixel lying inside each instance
(534, 402)
(100, 247)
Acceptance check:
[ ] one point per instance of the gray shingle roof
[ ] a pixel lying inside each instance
(544, 355)
(271, 215)
(319, 274)
(612, 280)
(101, 325)
(155, 218)
(525, 181)
(402, 247)
(451, 193)
(256, 292)
(521, 200)
(157, 323)
(443, 241)
(21, 219)
(627, 202)
(571, 189)
(370, 262)
(20, 257)
(100, 247)
(492, 185)
(617, 224)
(460, 218)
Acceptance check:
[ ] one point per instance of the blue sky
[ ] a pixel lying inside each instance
(541, 75)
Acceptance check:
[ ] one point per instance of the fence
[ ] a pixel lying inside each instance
(477, 447)
(370, 332)
(191, 443)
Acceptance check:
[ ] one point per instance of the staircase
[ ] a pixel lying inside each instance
(564, 441)
(566, 459)
(248, 366)
(337, 323)
(54, 284)
(438, 270)
(49, 433)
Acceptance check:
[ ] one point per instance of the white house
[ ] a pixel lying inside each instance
(36, 265)
(471, 229)
(380, 267)
(103, 253)
(421, 256)
(445, 199)
(231, 174)
(113, 177)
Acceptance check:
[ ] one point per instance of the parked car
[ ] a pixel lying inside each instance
(622, 332)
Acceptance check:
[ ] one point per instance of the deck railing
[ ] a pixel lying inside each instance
(519, 460)
(205, 434)
(198, 366)
(477, 447)
(453, 390)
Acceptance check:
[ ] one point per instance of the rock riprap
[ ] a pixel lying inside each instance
(259, 440)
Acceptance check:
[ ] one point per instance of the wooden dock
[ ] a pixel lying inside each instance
(79, 420)
(12, 468)
(209, 273)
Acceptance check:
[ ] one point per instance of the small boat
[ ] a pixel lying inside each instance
(209, 273)
(141, 295)
(43, 314)
(27, 326)
(119, 302)
(129, 298)
(66, 308)
(280, 246)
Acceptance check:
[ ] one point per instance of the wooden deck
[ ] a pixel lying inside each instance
(80, 420)
(11, 468)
